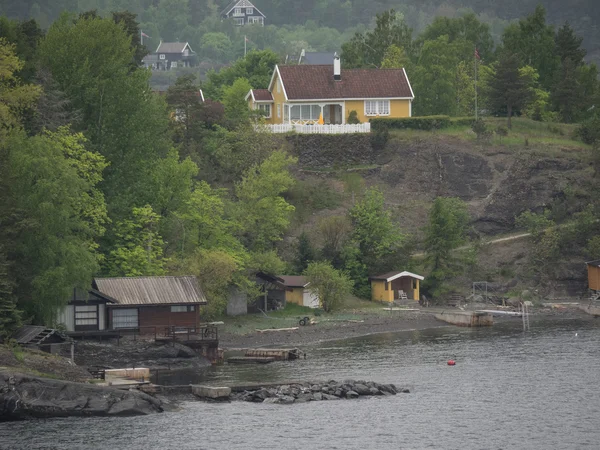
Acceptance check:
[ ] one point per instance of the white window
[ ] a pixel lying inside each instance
(266, 108)
(125, 318)
(237, 12)
(305, 112)
(86, 315)
(286, 112)
(239, 21)
(377, 107)
(180, 308)
(278, 110)
(161, 56)
(250, 11)
(278, 87)
(174, 65)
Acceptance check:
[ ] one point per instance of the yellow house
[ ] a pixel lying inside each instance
(390, 286)
(296, 291)
(301, 94)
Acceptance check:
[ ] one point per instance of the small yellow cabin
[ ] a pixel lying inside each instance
(593, 269)
(297, 291)
(328, 94)
(395, 285)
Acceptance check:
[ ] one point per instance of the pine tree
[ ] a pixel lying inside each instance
(566, 93)
(305, 253)
(507, 86)
(568, 45)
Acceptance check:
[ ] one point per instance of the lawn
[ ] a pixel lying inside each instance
(354, 309)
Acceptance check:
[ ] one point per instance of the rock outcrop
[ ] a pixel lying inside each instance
(25, 397)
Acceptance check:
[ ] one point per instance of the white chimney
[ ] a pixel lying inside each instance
(337, 70)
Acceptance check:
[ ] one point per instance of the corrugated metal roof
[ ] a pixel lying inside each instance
(152, 290)
(294, 280)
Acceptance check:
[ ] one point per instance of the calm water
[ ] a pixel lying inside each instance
(507, 391)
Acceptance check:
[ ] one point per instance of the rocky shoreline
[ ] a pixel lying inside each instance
(28, 397)
(305, 392)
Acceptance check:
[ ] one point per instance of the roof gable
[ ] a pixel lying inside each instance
(315, 82)
(239, 4)
(151, 290)
(260, 95)
(173, 47)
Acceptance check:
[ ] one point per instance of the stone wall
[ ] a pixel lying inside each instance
(333, 150)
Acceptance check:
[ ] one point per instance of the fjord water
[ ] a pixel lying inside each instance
(508, 390)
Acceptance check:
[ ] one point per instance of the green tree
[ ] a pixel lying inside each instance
(507, 87)
(15, 97)
(532, 42)
(305, 252)
(368, 49)
(375, 239)
(434, 78)
(335, 232)
(128, 21)
(568, 45)
(261, 213)
(51, 219)
(139, 247)
(394, 58)
(445, 233)
(234, 100)
(465, 90)
(331, 286)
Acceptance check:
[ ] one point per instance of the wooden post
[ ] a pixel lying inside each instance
(266, 299)
(73, 352)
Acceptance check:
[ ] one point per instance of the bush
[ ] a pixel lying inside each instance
(330, 285)
(502, 131)
(589, 131)
(462, 121)
(379, 138)
(426, 123)
(353, 118)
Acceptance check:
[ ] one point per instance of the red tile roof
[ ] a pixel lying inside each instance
(316, 82)
(262, 95)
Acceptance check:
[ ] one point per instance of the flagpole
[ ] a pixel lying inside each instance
(476, 109)
(245, 43)
(141, 38)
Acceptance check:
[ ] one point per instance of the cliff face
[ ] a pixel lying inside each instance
(497, 182)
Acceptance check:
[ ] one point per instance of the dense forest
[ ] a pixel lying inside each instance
(320, 25)
(101, 176)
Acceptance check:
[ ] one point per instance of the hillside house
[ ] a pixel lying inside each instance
(145, 304)
(170, 55)
(312, 94)
(395, 286)
(243, 12)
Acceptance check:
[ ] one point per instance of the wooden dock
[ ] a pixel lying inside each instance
(279, 354)
(250, 360)
(466, 318)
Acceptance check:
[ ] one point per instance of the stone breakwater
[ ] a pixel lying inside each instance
(306, 392)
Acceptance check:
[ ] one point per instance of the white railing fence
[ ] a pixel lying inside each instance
(317, 129)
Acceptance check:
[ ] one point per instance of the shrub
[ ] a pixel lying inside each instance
(589, 131)
(426, 123)
(353, 118)
(480, 129)
(330, 285)
(502, 131)
(379, 138)
(462, 121)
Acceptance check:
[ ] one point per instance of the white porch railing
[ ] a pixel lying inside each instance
(317, 129)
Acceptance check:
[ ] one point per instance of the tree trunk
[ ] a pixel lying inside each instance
(509, 113)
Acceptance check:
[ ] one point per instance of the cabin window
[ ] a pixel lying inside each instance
(286, 112)
(377, 107)
(125, 318)
(174, 65)
(237, 12)
(161, 56)
(183, 308)
(266, 108)
(278, 110)
(249, 10)
(86, 315)
(239, 21)
(278, 87)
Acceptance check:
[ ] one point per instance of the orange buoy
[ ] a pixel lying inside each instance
(451, 362)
